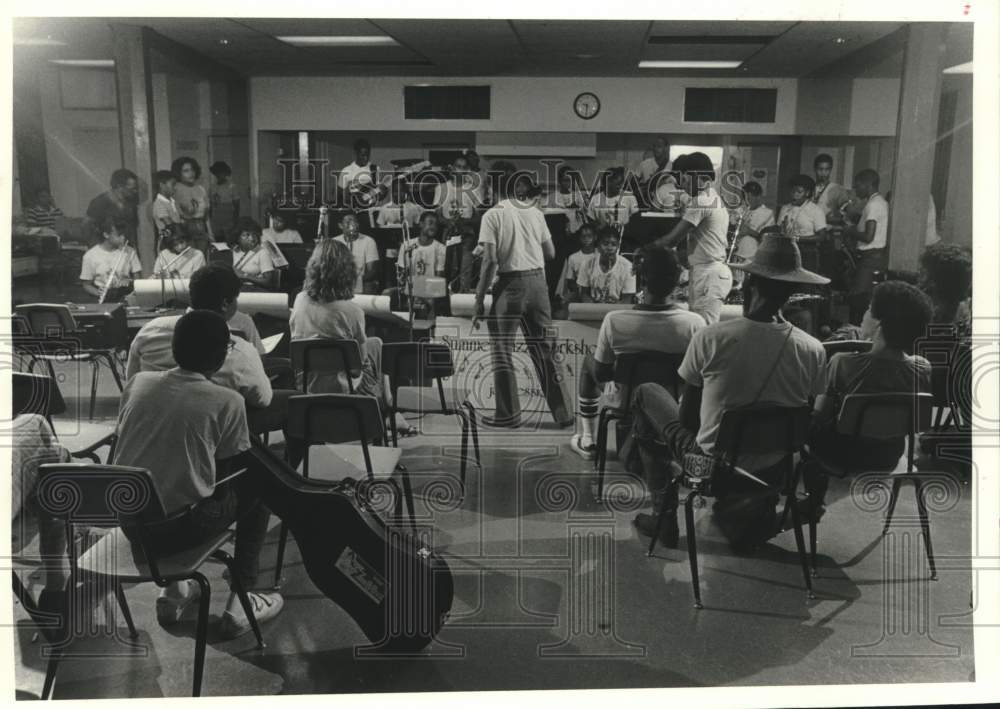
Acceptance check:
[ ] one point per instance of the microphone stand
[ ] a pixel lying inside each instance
(408, 265)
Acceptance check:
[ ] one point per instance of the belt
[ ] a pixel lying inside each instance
(521, 274)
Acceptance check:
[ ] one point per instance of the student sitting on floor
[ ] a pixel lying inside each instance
(607, 276)
(325, 309)
(252, 260)
(178, 258)
(363, 250)
(658, 324)
(109, 267)
(898, 315)
(186, 429)
(758, 358)
(568, 289)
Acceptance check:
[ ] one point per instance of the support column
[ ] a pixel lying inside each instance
(916, 138)
(135, 119)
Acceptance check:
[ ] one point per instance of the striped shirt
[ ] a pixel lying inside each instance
(43, 216)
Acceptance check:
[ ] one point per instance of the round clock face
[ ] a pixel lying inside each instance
(587, 105)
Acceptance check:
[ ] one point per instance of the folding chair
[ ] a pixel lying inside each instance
(882, 417)
(752, 430)
(326, 357)
(55, 324)
(111, 496)
(416, 372)
(343, 427)
(631, 370)
(38, 394)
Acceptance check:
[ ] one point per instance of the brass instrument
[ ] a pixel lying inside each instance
(736, 233)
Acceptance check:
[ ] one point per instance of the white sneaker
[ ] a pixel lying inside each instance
(576, 444)
(265, 605)
(174, 600)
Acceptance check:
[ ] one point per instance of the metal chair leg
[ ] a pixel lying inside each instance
(465, 450)
(123, 604)
(279, 563)
(661, 516)
(113, 366)
(473, 425)
(51, 667)
(893, 498)
(925, 525)
(692, 546)
(812, 547)
(408, 494)
(237, 585)
(201, 633)
(95, 373)
(600, 457)
(800, 544)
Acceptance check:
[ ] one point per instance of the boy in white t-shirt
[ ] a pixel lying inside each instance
(658, 325)
(869, 235)
(420, 258)
(363, 249)
(568, 289)
(614, 205)
(111, 265)
(279, 233)
(754, 217)
(606, 277)
(804, 220)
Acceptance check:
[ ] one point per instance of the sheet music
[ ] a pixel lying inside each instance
(269, 343)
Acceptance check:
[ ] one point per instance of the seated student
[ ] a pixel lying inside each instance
(606, 277)
(898, 316)
(166, 218)
(946, 277)
(252, 261)
(399, 207)
(614, 205)
(363, 250)
(568, 289)
(325, 308)
(44, 212)
(803, 220)
(279, 233)
(178, 259)
(423, 256)
(658, 324)
(215, 288)
(786, 369)
(109, 267)
(187, 430)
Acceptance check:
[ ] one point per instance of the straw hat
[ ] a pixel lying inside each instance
(778, 258)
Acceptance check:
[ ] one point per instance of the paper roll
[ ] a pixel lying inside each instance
(463, 305)
(372, 304)
(593, 312)
(150, 293)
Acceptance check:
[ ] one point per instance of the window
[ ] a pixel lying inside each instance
(730, 105)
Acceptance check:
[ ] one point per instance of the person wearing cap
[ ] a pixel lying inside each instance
(757, 358)
(705, 225)
(516, 243)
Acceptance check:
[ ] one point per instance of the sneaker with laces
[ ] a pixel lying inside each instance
(170, 607)
(587, 452)
(265, 605)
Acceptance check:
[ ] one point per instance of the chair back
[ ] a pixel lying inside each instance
(335, 418)
(762, 429)
(647, 367)
(47, 319)
(98, 495)
(416, 364)
(885, 415)
(36, 394)
(833, 347)
(319, 356)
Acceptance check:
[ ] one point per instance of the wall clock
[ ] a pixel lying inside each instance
(587, 105)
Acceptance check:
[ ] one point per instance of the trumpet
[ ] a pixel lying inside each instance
(112, 275)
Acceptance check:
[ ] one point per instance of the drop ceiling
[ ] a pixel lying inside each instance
(249, 46)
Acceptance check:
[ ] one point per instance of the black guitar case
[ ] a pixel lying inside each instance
(396, 589)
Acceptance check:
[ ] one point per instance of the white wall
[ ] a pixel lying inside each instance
(518, 104)
(874, 107)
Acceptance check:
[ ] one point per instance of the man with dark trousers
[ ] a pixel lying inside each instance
(516, 243)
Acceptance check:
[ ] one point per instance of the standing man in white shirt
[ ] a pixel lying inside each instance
(359, 179)
(516, 243)
(804, 220)
(869, 236)
(657, 163)
(705, 225)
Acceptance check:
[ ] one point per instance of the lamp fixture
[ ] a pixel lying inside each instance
(339, 40)
(689, 64)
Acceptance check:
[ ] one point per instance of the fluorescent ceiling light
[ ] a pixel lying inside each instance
(683, 64)
(90, 63)
(340, 41)
(38, 42)
(959, 69)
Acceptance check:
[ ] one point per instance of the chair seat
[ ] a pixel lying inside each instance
(841, 470)
(78, 436)
(332, 462)
(428, 400)
(115, 555)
